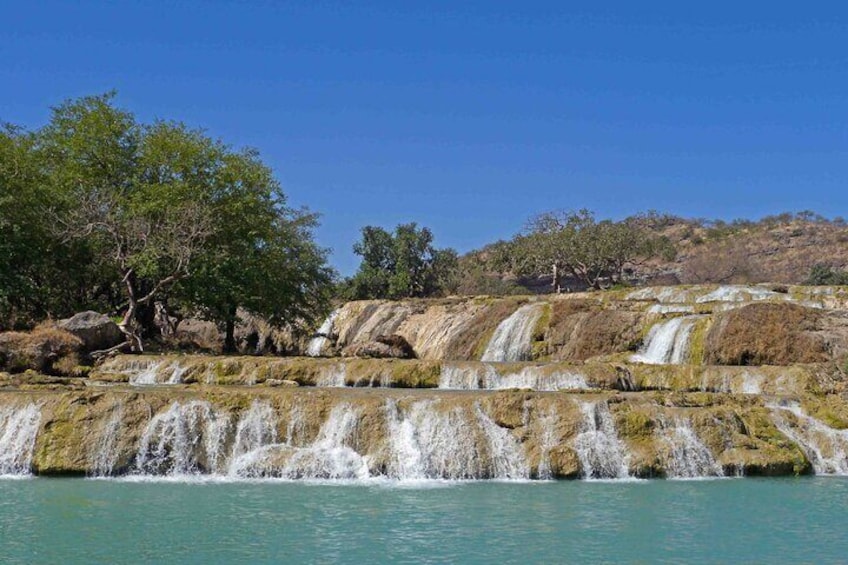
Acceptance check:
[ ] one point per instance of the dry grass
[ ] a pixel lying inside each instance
(581, 329)
(45, 349)
(766, 334)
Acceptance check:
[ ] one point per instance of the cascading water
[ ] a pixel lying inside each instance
(18, 430)
(512, 338)
(548, 440)
(825, 447)
(332, 376)
(331, 456)
(256, 428)
(145, 374)
(321, 341)
(602, 455)
(427, 442)
(688, 457)
(668, 342)
(482, 376)
(106, 456)
(506, 457)
(186, 439)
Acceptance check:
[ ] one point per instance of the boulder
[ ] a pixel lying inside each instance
(384, 347)
(96, 331)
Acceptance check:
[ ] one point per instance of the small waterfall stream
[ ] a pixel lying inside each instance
(18, 430)
(512, 338)
(186, 439)
(106, 456)
(667, 342)
(484, 376)
(825, 447)
(602, 455)
(688, 457)
(321, 341)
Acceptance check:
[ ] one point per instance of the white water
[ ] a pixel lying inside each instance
(512, 338)
(145, 373)
(688, 457)
(482, 376)
(736, 293)
(332, 376)
(825, 447)
(185, 439)
(18, 430)
(668, 342)
(546, 423)
(430, 442)
(106, 456)
(256, 428)
(321, 341)
(602, 455)
(507, 458)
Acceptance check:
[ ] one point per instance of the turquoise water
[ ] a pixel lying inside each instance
(738, 520)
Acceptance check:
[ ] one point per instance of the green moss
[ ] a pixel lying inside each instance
(697, 341)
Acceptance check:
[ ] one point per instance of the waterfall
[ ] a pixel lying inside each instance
(331, 456)
(427, 442)
(18, 430)
(256, 428)
(825, 447)
(322, 337)
(186, 439)
(548, 439)
(512, 338)
(483, 376)
(751, 384)
(602, 455)
(332, 376)
(106, 456)
(668, 342)
(465, 377)
(507, 459)
(688, 457)
(145, 373)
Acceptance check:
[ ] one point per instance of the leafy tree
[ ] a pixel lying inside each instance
(401, 265)
(574, 243)
(171, 214)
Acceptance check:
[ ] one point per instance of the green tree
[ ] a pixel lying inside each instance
(172, 214)
(575, 243)
(401, 265)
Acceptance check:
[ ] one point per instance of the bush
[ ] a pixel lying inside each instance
(825, 275)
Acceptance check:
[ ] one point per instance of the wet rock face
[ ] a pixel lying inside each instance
(96, 331)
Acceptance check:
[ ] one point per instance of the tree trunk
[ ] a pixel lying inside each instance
(557, 277)
(229, 332)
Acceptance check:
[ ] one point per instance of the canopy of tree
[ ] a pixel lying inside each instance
(401, 265)
(100, 211)
(575, 244)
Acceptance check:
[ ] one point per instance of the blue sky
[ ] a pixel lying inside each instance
(471, 117)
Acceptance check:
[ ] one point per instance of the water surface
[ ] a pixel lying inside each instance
(708, 521)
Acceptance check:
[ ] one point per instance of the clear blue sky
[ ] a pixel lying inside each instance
(469, 117)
